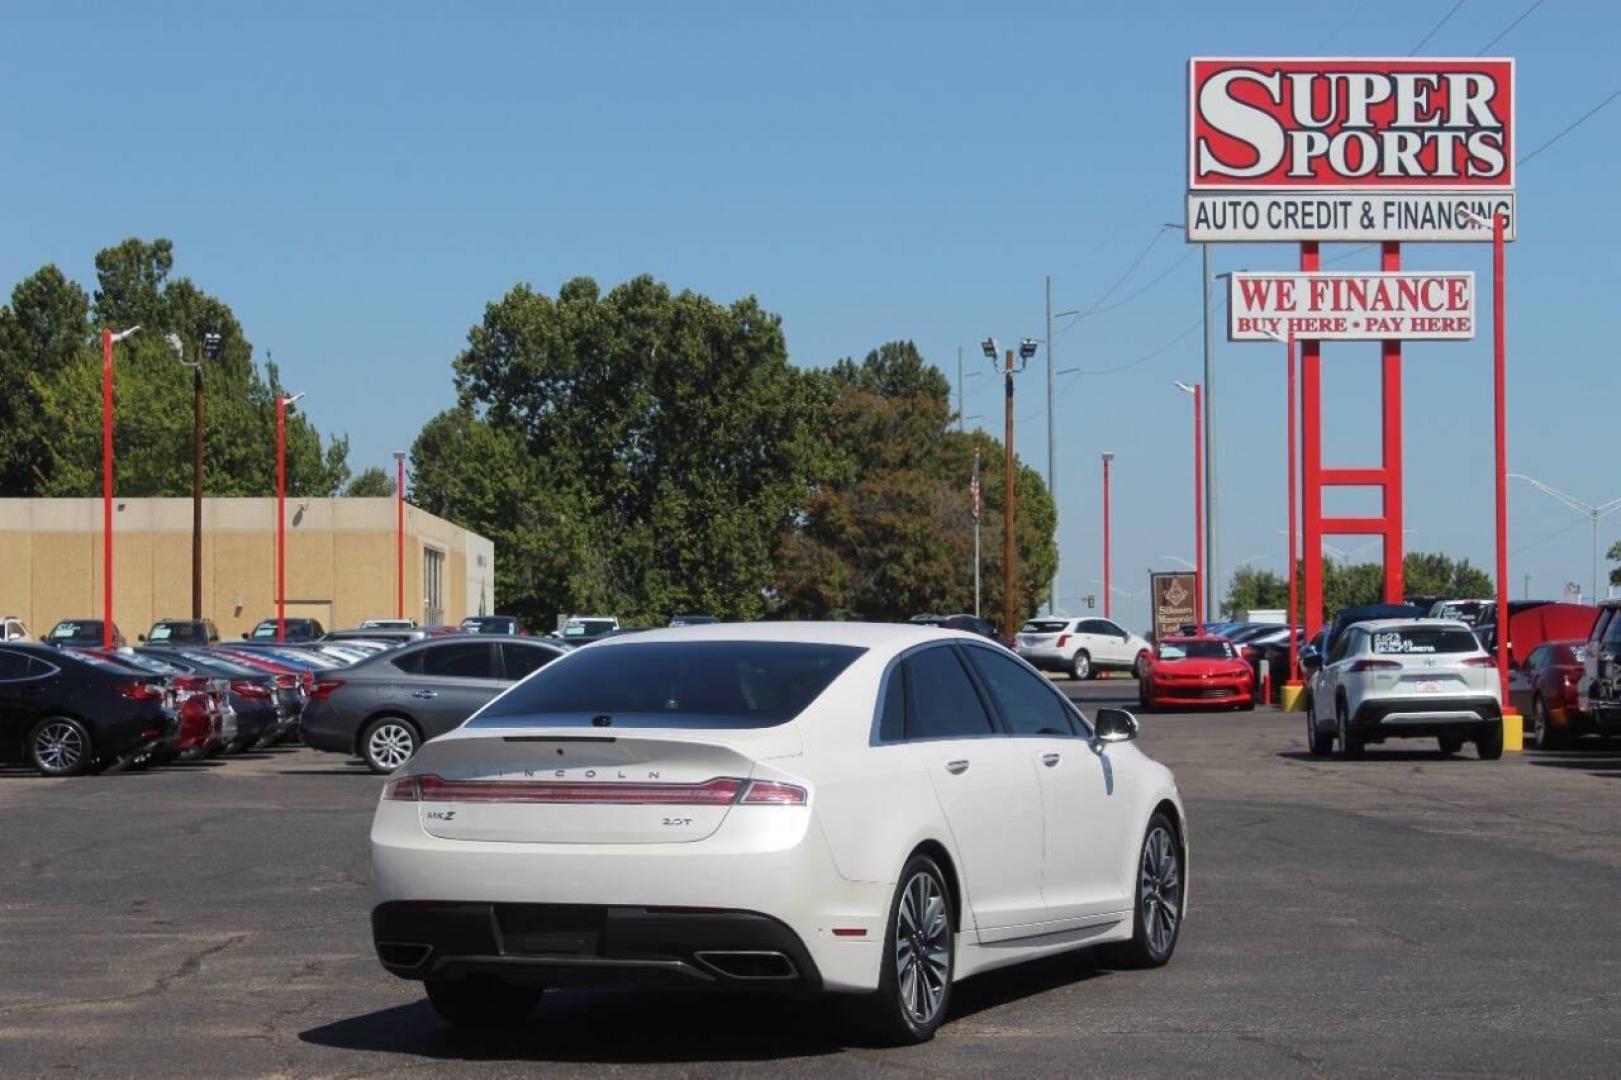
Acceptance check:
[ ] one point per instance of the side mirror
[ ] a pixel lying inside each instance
(1115, 725)
(244, 637)
(1310, 658)
(140, 637)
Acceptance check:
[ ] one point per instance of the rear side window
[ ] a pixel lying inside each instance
(1600, 624)
(1045, 626)
(522, 660)
(1612, 635)
(892, 712)
(462, 660)
(13, 666)
(1422, 641)
(1027, 704)
(689, 684)
(941, 700)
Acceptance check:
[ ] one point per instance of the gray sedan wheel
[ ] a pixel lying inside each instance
(388, 743)
(59, 746)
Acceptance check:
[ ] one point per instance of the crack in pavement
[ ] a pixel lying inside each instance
(189, 965)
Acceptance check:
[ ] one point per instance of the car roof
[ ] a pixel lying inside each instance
(870, 635)
(1412, 624)
(1184, 639)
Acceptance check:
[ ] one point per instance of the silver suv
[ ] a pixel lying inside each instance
(1405, 678)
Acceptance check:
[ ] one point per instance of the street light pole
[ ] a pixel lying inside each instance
(399, 534)
(1052, 483)
(1198, 505)
(1108, 592)
(108, 340)
(1007, 500)
(283, 402)
(1592, 510)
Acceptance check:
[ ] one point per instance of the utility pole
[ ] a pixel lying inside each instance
(976, 494)
(962, 409)
(197, 485)
(1008, 625)
(1213, 568)
(1052, 486)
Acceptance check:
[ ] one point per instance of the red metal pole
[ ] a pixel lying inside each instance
(399, 537)
(281, 518)
(1500, 393)
(1108, 591)
(1390, 383)
(1294, 569)
(106, 489)
(1198, 510)
(1311, 463)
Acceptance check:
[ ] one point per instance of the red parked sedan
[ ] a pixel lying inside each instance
(1197, 672)
(1543, 689)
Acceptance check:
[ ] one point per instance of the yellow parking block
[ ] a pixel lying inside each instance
(1291, 697)
(1513, 730)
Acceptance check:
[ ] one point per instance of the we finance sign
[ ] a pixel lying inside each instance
(1355, 149)
(1415, 306)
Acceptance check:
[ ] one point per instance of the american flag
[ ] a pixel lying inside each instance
(973, 488)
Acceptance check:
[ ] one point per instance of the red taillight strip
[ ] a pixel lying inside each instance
(721, 791)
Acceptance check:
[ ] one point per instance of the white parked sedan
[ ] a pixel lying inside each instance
(848, 808)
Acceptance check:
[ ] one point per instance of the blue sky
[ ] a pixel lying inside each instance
(358, 181)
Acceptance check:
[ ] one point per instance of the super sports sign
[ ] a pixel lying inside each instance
(1364, 149)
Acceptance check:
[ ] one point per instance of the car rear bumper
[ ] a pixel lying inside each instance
(1419, 716)
(1045, 658)
(593, 945)
(777, 868)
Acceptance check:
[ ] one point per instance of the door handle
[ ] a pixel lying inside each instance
(1050, 760)
(425, 695)
(957, 768)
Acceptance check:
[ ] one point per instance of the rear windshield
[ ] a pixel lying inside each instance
(1197, 650)
(1423, 640)
(710, 684)
(71, 630)
(1044, 626)
(588, 628)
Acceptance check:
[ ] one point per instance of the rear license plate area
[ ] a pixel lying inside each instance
(550, 930)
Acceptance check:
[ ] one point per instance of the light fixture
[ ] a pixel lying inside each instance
(211, 346)
(1182, 386)
(1027, 348)
(989, 345)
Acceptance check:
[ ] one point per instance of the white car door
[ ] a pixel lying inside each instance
(1116, 642)
(1085, 852)
(988, 791)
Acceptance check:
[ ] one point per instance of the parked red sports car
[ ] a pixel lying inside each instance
(1197, 672)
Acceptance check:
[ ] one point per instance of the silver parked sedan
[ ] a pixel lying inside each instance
(386, 706)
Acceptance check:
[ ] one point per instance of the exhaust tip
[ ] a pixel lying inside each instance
(403, 954)
(749, 963)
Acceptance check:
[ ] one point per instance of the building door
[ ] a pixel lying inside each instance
(433, 587)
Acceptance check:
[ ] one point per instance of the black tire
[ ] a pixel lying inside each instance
(481, 1003)
(389, 742)
(904, 1012)
(1350, 742)
(1141, 666)
(1489, 742)
(60, 746)
(1319, 743)
(1544, 736)
(1157, 921)
(1248, 706)
(1080, 665)
(1450, 744)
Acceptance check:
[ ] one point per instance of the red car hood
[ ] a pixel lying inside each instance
(1193, 667)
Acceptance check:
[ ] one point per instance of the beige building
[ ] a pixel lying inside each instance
(340, 562)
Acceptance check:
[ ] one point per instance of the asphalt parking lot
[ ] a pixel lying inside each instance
(1405, 913)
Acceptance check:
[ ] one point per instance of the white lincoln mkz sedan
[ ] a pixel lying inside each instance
(847, 808)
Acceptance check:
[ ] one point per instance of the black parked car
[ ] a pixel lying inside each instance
(65, 712)
(182, 632)
(81, 632)
(299, 629)
(260, 715)
(384, 707)
(972, 624)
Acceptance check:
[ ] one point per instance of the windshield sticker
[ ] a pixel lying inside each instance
(1393, 641)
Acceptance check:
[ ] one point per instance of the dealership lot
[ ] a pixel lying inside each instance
(1399, 913)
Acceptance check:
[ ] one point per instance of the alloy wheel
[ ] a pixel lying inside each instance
(391, 745)
(1160, 890)
(1081, 666)
(59, 746)
(922, 948)
(1539, 724)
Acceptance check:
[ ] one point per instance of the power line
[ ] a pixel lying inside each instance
(1444, 20)
(1550, 536)
(1501, 34)
(1578, 122)
(1138, 261)
(1124, 300)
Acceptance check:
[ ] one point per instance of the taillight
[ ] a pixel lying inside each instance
(286, 682)
(1375, 665)
(140, 691)
(772, 793)
(189, 684)
(1478, 661)
(1061, 639)
(244, 688)
(720, 791)
(306, 679)
(323, 688)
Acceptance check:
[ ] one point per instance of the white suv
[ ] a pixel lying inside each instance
(1082, 647)
(1405, 678)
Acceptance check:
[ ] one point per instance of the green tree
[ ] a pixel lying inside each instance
(652, 448)
(50, 444)
(372, 482)
(888, 533)
(1251, 588)
(1614, 555)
